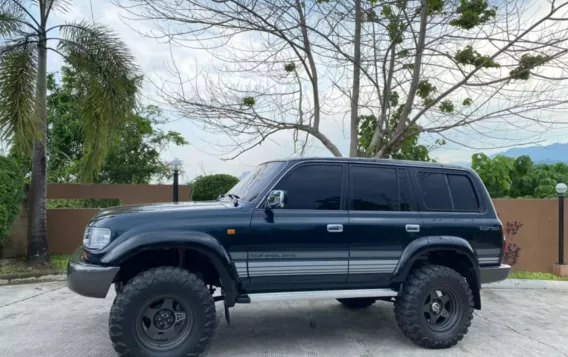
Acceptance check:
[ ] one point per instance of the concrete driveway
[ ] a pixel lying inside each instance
(47, 319)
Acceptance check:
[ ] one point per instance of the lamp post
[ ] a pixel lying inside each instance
(561, 189)
(176, 165)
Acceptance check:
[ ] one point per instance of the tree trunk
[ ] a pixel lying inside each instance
(37, 227)
(354, 140)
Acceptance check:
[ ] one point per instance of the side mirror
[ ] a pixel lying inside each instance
(276, 199)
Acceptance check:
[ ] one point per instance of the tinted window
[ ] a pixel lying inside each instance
(405, 190)
(463, 195)
(313, 187)
(374, 189)
(434, 191)
(251, 185)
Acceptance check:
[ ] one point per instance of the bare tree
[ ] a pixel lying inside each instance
(443, 67)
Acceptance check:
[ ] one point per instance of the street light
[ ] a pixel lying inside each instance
(561, 189)
(175, 165)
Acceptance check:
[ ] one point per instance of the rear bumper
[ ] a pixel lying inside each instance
(494, 274)
(87, 279)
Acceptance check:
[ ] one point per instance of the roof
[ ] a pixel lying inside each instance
(405, 163)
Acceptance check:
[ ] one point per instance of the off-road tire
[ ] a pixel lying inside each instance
(162, 280)
(357, 303)
(408, 306)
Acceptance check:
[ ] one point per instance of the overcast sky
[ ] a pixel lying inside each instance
(202, 155)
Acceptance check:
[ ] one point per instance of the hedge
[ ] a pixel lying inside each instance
(11, 194)
(207, 188)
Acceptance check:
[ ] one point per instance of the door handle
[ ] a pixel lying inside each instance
(413, 228)
(335, 228)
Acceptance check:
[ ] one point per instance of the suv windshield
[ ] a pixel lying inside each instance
(251, 186)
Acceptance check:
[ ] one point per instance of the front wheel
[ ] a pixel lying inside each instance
(435, 308)
(162, 312)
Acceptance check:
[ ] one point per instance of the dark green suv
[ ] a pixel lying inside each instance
(423, 236)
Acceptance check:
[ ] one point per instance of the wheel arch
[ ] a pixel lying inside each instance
(182, 244)
(453, 252)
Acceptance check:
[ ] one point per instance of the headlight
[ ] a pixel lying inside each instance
(96, 238)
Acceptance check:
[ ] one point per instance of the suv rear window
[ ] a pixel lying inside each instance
(447, 192)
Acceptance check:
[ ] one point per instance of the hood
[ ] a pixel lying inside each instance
(164, 208)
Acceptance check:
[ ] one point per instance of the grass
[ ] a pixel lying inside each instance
(15, 266)
(534, 276)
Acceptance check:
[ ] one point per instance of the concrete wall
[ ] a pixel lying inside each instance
(538, 237)
(65, 226)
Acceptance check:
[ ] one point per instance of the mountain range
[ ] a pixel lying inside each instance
(550, 154)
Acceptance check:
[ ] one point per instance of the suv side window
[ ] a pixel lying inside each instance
(447, 192)
(374, 188)
(434, 191)
(463, 195)
(315, 187)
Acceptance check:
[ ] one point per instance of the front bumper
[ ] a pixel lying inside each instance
(88, 279)
(494, 274)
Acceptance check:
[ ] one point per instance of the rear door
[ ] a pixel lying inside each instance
(383, 219)
(303, 245)
(451, 206)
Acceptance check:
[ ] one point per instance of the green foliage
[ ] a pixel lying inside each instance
(447, 106)
(527, 63)
(435, 7)
(425, 91)
(207, 188)
(473, 13)
(520, 177)
(107, 86)
(18, 75)
(396, 29)
(11, 194)
(469, 56)
(394, 99)
(290, 67)
(425, 88)
(134, 151)
(369, 16)
(248, 101)
(495, 174)
(467, 102)
(403, 53)
(410, 148)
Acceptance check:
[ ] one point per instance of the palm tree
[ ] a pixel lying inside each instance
(110, 83)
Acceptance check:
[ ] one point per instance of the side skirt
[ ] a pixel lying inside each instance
(319, 295)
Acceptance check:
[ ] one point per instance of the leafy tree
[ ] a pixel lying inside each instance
(508, 177)
(107, 94)
(207, 188)
(133, 155)
(11, 194)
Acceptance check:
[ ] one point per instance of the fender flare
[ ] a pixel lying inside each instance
(197, 241)
(423, 245)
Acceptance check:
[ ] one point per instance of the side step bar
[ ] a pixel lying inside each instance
(322, 294)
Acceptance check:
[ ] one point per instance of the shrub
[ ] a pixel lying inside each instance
(206, 188)
(11, 194)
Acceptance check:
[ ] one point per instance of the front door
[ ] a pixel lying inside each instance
(383, 219)
(303, 245)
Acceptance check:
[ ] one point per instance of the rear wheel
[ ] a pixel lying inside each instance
(162, 312)
(435, 308)
(357, 303)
